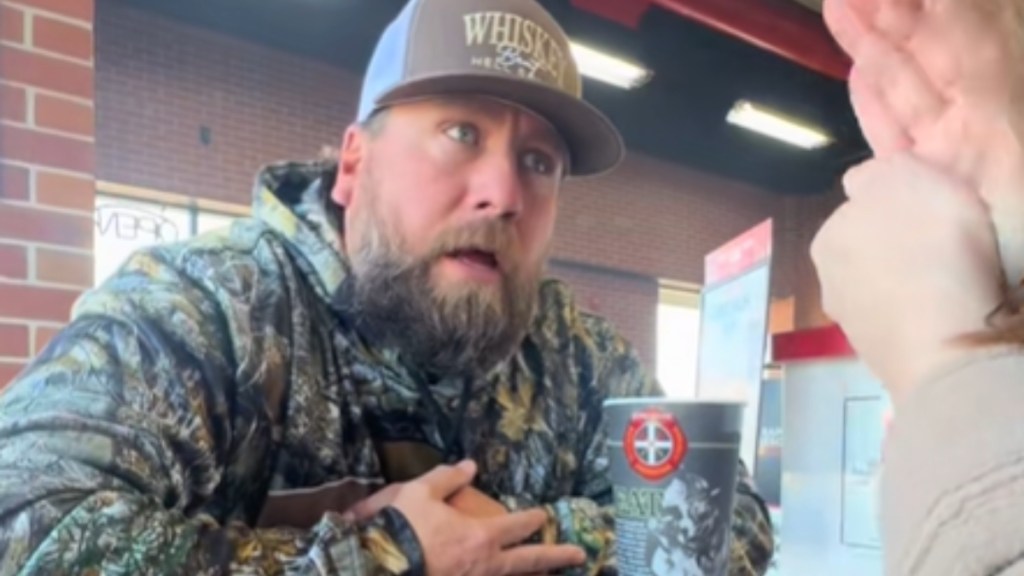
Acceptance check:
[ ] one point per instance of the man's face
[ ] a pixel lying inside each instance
(450, 207)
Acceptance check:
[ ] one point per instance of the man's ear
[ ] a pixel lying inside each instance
(350, 158)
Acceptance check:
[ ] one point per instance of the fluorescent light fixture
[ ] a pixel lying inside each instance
(608, 68)
(776, 125)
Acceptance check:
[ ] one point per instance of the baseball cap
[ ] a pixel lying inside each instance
(512, 50)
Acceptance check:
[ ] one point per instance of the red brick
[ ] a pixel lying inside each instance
(14, 340)
(42, 336)
(26, 302)
(78, 9)
(64, 191)
(13, 182)
(12, 24)
(61, 37)
(62, 267)
(8, 371)
(65, 115)
(31, 224)
(13, 103)
(42, 71)
(13, 262)
(52, 150)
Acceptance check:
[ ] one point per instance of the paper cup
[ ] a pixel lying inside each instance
(673, 469)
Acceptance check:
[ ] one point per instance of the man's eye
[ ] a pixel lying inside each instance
(539, 162)
(464, 133)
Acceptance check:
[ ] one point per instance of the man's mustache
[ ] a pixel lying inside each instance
(494, 237)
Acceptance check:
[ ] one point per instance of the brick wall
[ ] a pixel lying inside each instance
(47, 159)
(161, 82)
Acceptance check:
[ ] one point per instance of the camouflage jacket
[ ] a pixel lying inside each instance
(206, 379)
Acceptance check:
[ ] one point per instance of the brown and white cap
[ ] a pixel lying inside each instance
(507, 49)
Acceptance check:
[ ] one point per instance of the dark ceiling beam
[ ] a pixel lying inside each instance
(778, 26)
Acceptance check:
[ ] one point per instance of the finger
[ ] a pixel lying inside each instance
(958, 42)
(908, 96)
(538, 558)
(897, 20)
(860, 179)
(866, 10)
(368, 507)
(846, 26)
(515, 527)
(881, 130)
(443, 481)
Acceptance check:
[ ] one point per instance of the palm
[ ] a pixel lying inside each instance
(937, 77)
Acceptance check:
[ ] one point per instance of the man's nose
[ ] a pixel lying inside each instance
(497, 188)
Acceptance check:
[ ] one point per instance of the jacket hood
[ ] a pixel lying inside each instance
(294, 200)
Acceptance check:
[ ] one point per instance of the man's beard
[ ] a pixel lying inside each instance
(443, 331)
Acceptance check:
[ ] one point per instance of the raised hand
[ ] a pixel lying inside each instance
(908, 266)
(943, 79)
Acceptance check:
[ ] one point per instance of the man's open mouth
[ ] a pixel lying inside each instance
(476, 257)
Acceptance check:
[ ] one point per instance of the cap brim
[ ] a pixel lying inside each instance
(595, 145)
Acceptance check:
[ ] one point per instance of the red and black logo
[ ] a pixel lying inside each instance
(654, 443)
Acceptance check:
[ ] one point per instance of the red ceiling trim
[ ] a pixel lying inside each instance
(625, 12)
(778, 26)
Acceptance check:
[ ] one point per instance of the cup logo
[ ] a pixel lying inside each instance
(654, 444)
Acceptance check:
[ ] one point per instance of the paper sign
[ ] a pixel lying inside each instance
(734, 326)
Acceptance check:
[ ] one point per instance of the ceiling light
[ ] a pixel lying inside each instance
(609, 69)
(776, 125)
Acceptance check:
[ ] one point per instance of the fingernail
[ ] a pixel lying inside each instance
(467, 466)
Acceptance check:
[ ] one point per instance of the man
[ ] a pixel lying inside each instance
(369, 376)
(923, 267)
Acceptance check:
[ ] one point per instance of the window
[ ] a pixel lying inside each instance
(125, 224)
(677, 340)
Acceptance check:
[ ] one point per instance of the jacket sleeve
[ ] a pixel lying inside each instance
(951, 498)
(587, 520)
(120, 441)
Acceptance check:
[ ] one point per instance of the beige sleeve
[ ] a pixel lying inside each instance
(953, 487)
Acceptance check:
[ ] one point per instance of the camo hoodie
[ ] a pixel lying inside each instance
(171, 427)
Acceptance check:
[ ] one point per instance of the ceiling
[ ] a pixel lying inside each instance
(679, 116)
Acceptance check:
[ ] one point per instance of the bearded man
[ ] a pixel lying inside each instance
(369, 376)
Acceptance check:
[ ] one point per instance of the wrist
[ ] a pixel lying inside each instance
(394, 526)
(943, 361)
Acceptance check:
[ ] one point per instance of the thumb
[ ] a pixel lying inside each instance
(443, 481)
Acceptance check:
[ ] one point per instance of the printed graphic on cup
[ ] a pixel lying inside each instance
(673, 469)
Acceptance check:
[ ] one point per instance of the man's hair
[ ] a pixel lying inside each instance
(374, 125)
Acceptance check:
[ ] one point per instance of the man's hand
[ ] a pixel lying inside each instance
(943, 78)
(458, 544)
(469, 501)
(907, 265)
(475, 503)
(379, 500)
